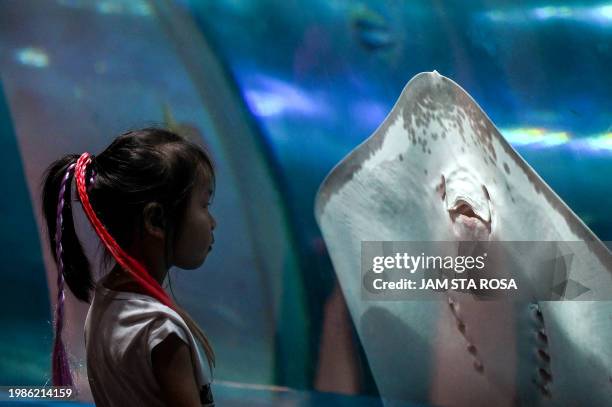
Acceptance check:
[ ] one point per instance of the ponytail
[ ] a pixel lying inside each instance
(72, 264)
(76, 269)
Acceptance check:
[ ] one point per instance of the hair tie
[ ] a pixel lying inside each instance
(92, 177)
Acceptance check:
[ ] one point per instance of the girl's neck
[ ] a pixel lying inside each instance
(119, 280)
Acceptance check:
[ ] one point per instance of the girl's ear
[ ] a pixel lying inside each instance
(154, 219)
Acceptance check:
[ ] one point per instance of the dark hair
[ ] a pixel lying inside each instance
(138, 167)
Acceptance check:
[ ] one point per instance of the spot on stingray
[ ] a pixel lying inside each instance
(425, 172)
(429, 151)
(506, 168)
(401, 157)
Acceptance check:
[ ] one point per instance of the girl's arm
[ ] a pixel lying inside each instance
(173, 369)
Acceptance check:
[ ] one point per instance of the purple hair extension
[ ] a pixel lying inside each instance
(60, 365)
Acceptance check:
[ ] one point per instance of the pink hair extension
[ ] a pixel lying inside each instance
(131, 265)
(60, 365)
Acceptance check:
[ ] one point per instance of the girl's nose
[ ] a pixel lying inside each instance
(213, 223)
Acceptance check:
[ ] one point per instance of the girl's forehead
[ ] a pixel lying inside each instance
(204, 180)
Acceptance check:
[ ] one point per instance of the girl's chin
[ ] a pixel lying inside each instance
(197, 263)
(205, 254)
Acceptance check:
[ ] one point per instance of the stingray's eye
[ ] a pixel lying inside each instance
(441, 187)
(468, 205)
(486, 192)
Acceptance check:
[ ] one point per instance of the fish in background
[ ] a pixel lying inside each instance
(371, 29)
(435, 170)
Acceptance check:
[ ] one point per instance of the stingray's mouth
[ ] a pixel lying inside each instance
(462, 212)
(468, 203)
(462, 208)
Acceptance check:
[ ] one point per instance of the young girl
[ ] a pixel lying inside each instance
(147, 198)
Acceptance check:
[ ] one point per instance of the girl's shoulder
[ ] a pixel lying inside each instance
(132, 307)
(131, 317)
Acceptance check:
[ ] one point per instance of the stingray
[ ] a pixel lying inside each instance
(437, 169)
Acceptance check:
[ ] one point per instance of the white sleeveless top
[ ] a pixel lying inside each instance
(121, 330)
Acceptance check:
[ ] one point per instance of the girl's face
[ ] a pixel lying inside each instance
(195, 237)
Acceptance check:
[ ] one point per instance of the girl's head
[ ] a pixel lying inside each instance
(150, 190)
(149, 185)
(153, 185)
